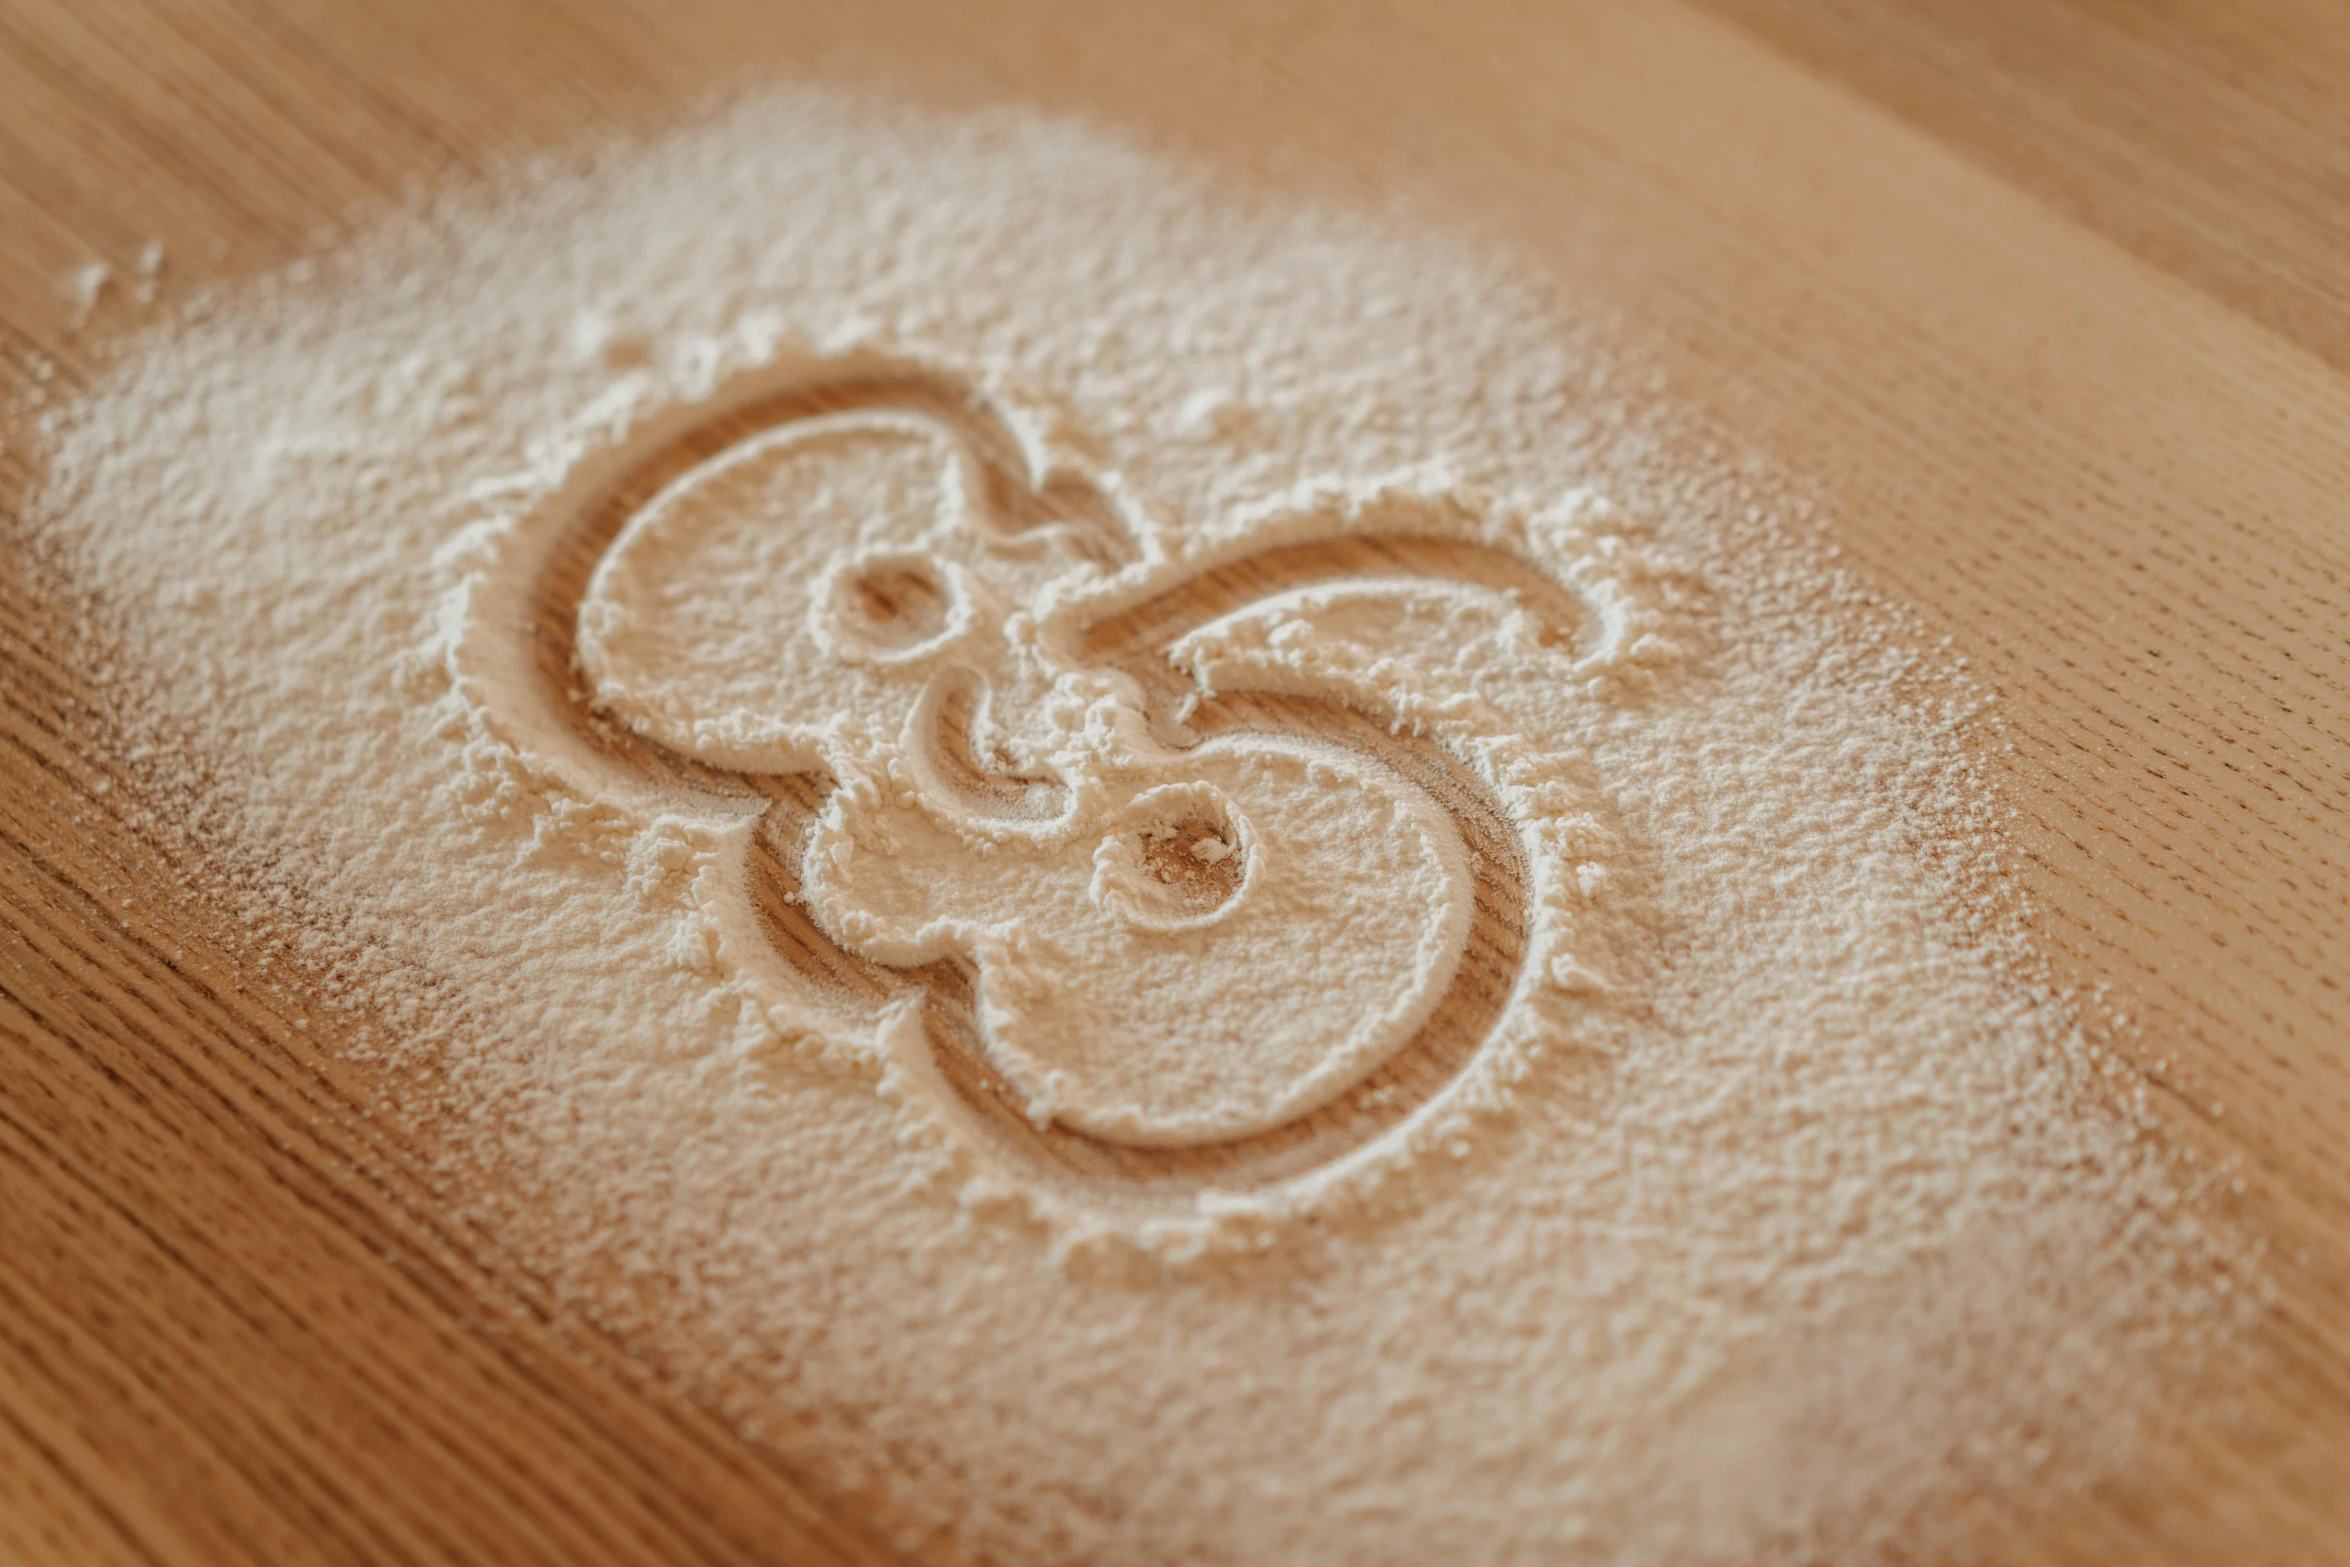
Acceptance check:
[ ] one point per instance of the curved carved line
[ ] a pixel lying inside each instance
(1129, 637)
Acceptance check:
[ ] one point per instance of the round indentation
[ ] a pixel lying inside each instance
(1178, 857)
(893, 607)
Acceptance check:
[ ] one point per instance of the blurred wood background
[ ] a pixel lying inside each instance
(2052, 300)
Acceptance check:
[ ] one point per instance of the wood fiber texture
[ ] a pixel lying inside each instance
(2050, 302)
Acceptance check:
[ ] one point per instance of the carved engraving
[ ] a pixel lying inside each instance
(897, 743)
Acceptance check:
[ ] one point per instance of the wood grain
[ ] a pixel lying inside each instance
(2049, 302)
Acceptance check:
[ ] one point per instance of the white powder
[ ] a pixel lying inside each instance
(84, 285)
(1772, 1210)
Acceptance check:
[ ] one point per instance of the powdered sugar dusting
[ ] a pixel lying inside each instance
(1774, 1206)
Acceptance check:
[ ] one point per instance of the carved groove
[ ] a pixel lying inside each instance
(1078, 519)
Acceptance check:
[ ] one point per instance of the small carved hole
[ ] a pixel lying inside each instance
(898, 604)
(1177, 858)
(893, 608)
(1195, 860)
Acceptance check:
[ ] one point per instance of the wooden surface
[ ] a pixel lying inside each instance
(2052, 302)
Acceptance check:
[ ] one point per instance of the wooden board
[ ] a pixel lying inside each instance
(2052, 302)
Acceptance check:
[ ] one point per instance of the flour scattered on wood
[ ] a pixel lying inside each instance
(1776, 1208)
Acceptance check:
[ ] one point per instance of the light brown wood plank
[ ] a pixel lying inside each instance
(2211, 140)
(2048, 303)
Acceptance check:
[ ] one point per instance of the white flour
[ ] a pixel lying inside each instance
(1772, 1210)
